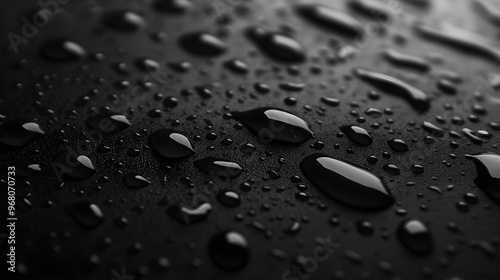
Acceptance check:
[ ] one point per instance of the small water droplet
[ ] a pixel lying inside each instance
(87, 214)
(416, 237)
(170, 144)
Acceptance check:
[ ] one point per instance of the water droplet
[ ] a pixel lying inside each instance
(229, 250)
(229, 198)
(62, 50)
(134, 180)
(346, 183)
(18, 133)
(123, 20)
(488, 169)
(392, 169)
(27, 170)
(190, 216)
(405, 60)
(417, 98)
(170, 144)
(357, 134)
(70, 165)
(272, 124)
(201, 43)
(108, 122)
(219, 167)
(236, 66)
(416, 237)
(277, 45)
(398, 145)
(332, 19)
(87, 214)
(172, 6)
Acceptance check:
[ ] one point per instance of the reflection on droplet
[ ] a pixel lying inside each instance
(416, 237)
(134, 180)
(219, 167)
(357, 134)
(332, 19)
(488, 169)
(87, 214)
(346, 183)
(229, 250)
(108, 122)
(170, 144)
(189, 216)
(202, 43)
(62, 50)
(272, 124)
(277, 45)
(19, 133)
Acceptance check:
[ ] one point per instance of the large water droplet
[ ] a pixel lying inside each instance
(218, 167)
(416, 237)
(272, 124)
(201, 43)
(277, 45)
(18, 133)
(170, 144)
(346, 183)
(417, 98)
(108, 122)
(488, 169)
(357, 134)
(86, 214)
(229, 250)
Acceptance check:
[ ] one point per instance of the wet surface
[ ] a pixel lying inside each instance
(166, 137)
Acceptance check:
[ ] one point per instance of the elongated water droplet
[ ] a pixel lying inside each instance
(417, 98)
(170, 144)
(277, 45)
(218, 167)
(272, 124)
(333, 20)
(26, 170)
(202, 43)
(87, 214)
(18, 133)
(398, 145)
(62, 50)
(405, 60)
(346, 183)
(416, 237)
(189, 216)
(108, 122)
(229, 198)
(172, 6)
(134, 180)
(357, 134)
(229, 250)
(459, 38)
(488, 170)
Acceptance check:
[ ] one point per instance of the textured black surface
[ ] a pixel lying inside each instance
(51, 245)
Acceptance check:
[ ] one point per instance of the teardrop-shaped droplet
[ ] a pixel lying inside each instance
(123, 20)
(189, 216)
(229, 198)
(172, 6)
(229, 250)
(398, 145)
(346, 183)
(488, 169)
(19, 133)
(170, 144)
(108, 122)
(202, 43)
(62, 50)
(357, 134)
(417, 98)
(218, 167)
(279, 46)
(134, 180)
(416, 237)
(87, 214)
(432, 129)
(272, 124)
(27, 170)
(68, 164)
(332, 19)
